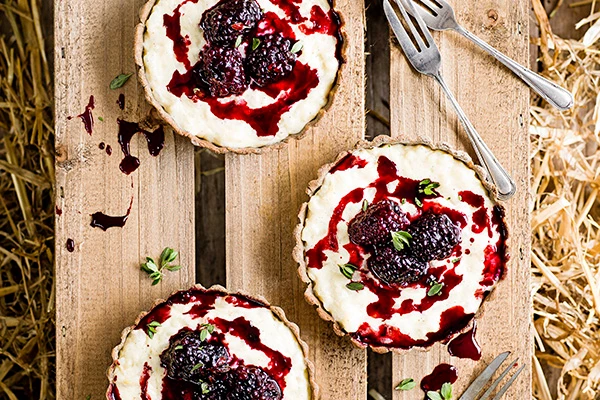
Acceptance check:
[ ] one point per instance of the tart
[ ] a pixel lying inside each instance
(400, 244)
(238, 75)
(208, 344)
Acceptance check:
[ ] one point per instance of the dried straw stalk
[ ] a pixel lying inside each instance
(26, 206)
(565, 214)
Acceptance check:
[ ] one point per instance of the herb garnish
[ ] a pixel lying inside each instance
(446, 391)
(418, 202)
(152, 328)
(356, 286)
(435, 290)
(205, 331)
(434, 395)
(365, 205)
(401, 239)
(406, 384)
(155, 271)
(196, 367)
(296, 47)
(100, 119)
(238, 41)
(347, 270)
(427, 187)
(119, 81)
(455, 260)
(205, 388)
(179, 347)
(255, 43)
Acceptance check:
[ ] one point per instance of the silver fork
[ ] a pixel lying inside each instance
(425, 57)
(439, 15)
(485, 377)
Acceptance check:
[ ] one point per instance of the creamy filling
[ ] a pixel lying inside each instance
(195, 116)
(386, 316)
(140, 350)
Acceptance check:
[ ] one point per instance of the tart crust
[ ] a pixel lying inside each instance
(277, 311)
(138, 48)
(313, 186)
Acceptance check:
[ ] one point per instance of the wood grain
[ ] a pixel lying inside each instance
(99, 288)
(497, 104)
(264, 194)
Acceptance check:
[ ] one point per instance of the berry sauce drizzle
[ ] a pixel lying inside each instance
(285, 93)
(103, 221)
(70, 245)
(113, 392)
(121, 101)
(407, 191)
(144, 379)
(279, 365)
(348, 162)
(127, 130)
(465, 345)
(443, 373)
(87, 117)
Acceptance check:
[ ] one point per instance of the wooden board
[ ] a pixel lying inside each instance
(263, 197)
(99, 288)
(497, 104)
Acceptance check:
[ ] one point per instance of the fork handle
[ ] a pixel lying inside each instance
(550, 91)
(505, 185)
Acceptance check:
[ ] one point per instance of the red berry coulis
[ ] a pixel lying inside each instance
(465, 345)
(443, 373)
(87, 117)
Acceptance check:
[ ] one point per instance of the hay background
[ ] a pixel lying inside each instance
(564, 202)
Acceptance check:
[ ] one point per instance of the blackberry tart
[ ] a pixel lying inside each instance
(238, 75)
(210, 344)
(400, 243)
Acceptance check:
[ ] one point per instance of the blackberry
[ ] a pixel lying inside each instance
(190, 359)
(433, 236)
(228, 19)
(220, 71)
(375, 225)
(271, 61)
(214, 388)
(393, 267)
(252, 383)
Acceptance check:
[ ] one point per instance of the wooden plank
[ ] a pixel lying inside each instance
(99, 288)
(263, 197)
(497, 104)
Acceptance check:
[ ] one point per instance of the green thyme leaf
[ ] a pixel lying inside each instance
(406, 384)
(459, 197)
(238, 41)
(365, 205)
(434, 396)
(427, 187)
(205, 331)
(401, 239)
(100, 119)
(347, 270)
(168, 255)
(179, 347)
(296, 47)
(356, 286)
(152, 328)
(154, 271)
(119, 81)
(435, 290)
(455, 260)
(154, 324)
(418, 202)
(403, 201)
(255, 43)
(446, 391)
(88, 397)
(197, 367)
(205, 388)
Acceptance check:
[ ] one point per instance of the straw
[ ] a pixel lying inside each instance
(26, 206)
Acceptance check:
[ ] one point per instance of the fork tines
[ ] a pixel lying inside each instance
(485, 377)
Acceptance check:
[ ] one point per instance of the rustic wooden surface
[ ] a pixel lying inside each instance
(99, 287)
(263, 197)
(497, 104)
